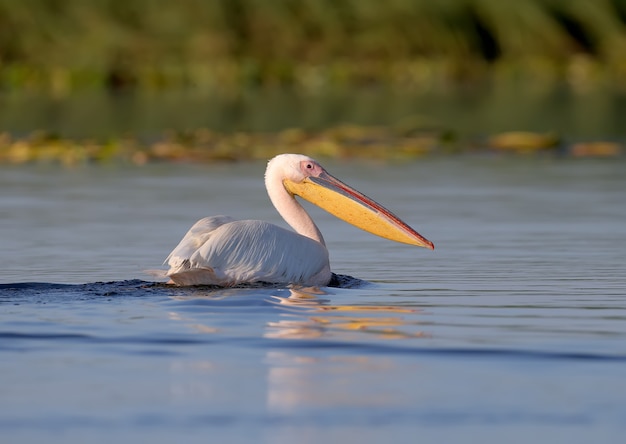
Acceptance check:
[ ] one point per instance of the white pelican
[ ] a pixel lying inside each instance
(222, 251)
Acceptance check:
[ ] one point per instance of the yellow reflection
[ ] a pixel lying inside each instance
(334, 318)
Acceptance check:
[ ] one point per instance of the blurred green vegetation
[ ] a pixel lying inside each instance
(61, 46)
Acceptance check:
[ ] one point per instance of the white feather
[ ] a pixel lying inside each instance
(246, 251)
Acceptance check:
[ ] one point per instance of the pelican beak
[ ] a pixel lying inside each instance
(349, 205)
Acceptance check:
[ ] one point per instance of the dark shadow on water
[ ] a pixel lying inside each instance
(93, 288)
(345, 281)
(117, 287)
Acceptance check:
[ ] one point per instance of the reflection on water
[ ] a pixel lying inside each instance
(324, 319)
(294, 383)
(299, 382)
(307, 312)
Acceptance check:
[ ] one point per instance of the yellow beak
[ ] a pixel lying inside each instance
(348, 204)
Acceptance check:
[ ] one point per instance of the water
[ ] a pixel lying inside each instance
(512, 330)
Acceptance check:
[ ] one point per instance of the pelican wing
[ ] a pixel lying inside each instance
(247, 251)
(197, 235)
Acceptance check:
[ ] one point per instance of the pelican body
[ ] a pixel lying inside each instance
(222, 251)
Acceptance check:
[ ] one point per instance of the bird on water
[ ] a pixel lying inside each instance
(222, 251)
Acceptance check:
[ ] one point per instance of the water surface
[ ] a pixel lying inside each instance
(513, 329)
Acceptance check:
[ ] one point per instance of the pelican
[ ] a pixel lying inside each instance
(222, 251)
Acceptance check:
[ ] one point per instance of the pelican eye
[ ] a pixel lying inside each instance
(309, 168)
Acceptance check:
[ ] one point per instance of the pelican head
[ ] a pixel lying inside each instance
(305, 177)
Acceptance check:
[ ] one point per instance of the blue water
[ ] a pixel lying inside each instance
(512, 330)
